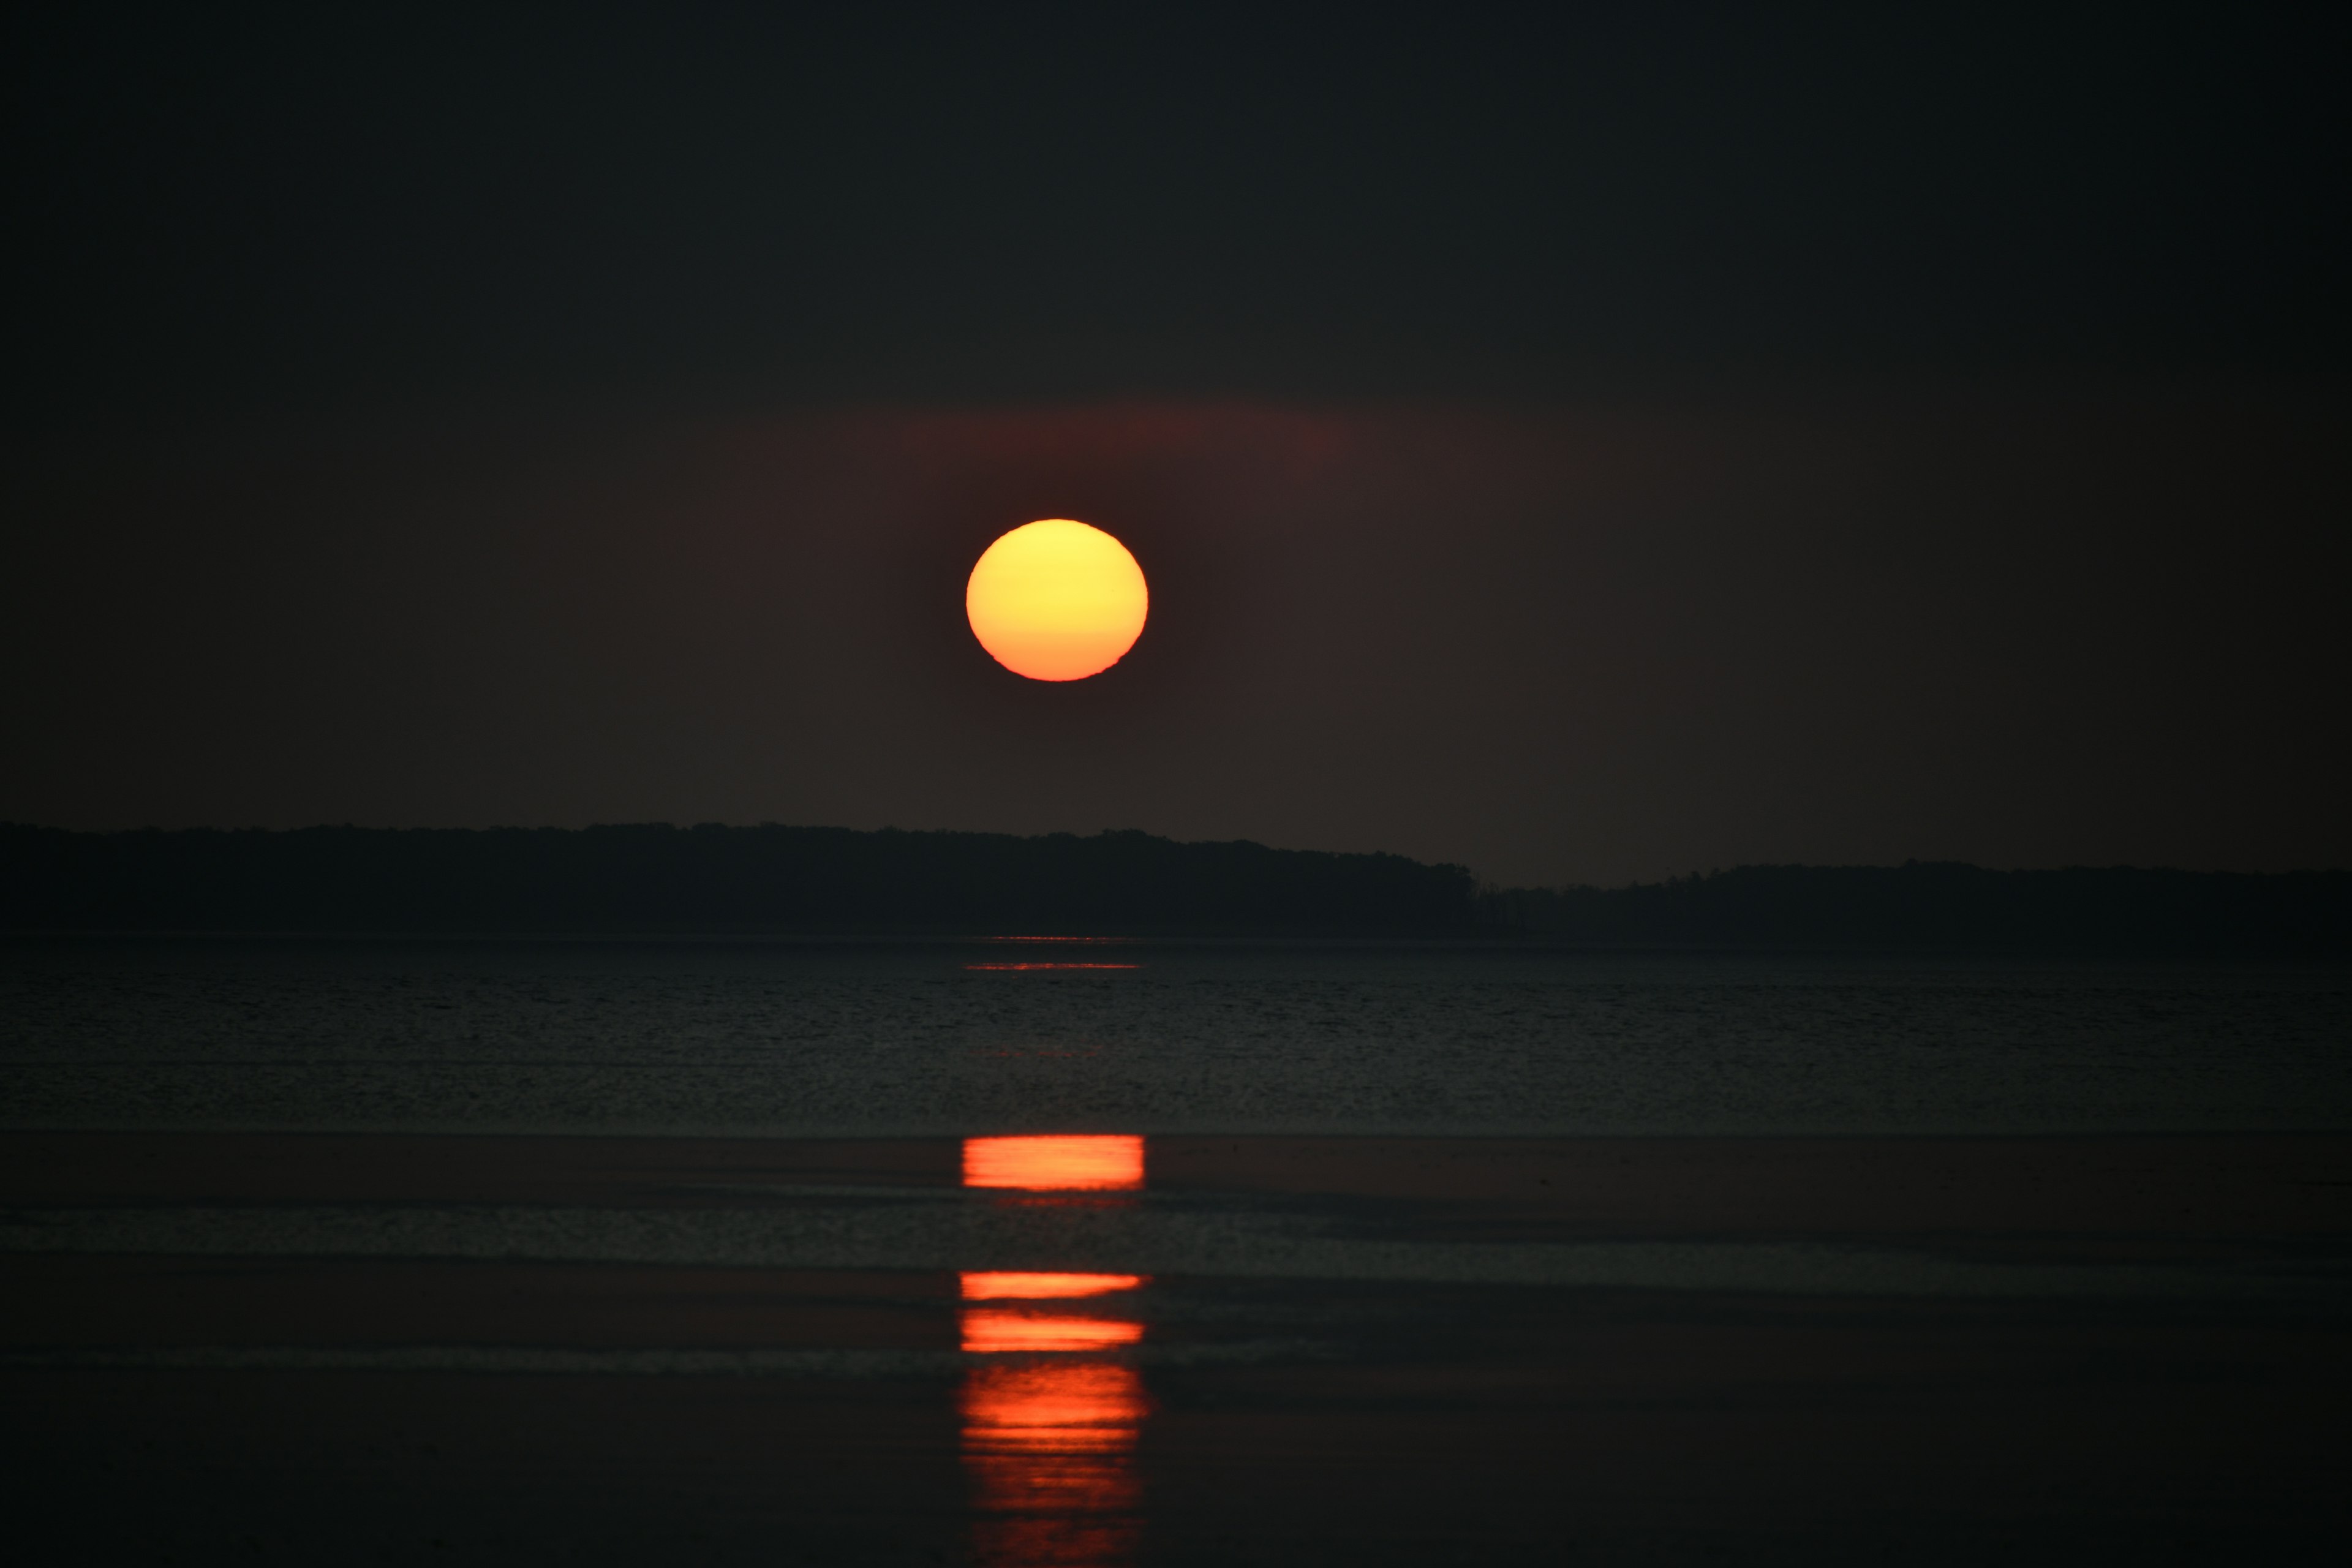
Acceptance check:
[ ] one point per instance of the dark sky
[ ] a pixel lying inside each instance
(1586, 446)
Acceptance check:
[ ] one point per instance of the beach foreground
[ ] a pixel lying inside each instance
(1110, 1349)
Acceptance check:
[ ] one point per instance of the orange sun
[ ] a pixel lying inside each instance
(1057, 600)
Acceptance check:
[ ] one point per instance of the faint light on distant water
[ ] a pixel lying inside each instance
(1067, 941)
(1045, 1287)
(1089, 1164)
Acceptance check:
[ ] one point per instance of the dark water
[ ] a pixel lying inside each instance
(618, 1252)
(949, 1038)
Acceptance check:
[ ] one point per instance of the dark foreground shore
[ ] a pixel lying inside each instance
(362, 1348)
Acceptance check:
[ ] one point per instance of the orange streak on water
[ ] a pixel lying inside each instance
(1049, 1445)
(1089, 1408)
(993, 1330)
(1049, 1450)
(1055, 1165)
(1060, 938)
(1045, 1287)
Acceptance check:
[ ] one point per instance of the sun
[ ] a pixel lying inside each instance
(1057, 600)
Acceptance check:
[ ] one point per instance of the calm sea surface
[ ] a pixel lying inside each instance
(833, 1039)
(1031, 1255)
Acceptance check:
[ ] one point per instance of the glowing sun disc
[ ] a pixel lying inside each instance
(1057, 600)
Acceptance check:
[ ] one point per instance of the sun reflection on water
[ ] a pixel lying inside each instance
(1050, 1449)
(1059, 1165)
(1044, 1286)
(994, 1333)
(1049, 1432)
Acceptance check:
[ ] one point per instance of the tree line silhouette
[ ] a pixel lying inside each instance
(654, 877)
(1949, 906)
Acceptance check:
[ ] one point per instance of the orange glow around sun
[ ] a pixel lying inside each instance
(1057, 600)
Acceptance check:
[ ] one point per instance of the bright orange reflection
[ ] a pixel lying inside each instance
(1056, 1164)
(993, 1330)
(1049, 1438)
(1045, 1287)
(1075, 1407)
(1049, 1447)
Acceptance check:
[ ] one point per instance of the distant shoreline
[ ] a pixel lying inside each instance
(656, 882)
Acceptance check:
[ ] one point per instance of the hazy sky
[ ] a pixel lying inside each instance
(1627, 445)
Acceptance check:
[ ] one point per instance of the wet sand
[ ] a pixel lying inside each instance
(516, 1348)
